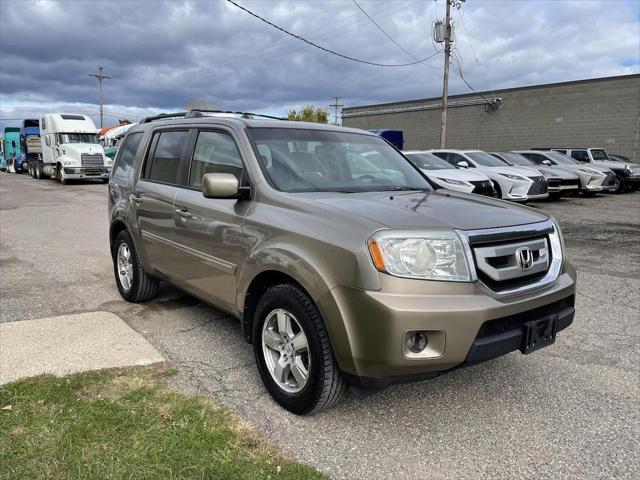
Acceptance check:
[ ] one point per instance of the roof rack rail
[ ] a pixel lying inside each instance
(198, 113)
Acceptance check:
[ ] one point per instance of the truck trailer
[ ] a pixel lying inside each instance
(70, 149)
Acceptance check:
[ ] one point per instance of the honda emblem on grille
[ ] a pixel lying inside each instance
(524, 257)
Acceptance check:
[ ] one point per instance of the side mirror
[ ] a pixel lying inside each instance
(220, 185)
(462, 164)
(546, 162)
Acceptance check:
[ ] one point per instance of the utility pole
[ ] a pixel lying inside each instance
(336, 105)
(445, 82)
(100, 78)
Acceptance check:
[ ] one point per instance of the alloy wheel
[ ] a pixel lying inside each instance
(125, 266)
(286, 350)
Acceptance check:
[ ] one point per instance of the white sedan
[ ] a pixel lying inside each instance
(517, 184)
(440, 173)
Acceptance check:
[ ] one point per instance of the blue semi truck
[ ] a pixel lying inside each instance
(13, 150)
(30, 143)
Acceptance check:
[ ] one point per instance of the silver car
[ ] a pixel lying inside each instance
(443, 175)
(560, 182)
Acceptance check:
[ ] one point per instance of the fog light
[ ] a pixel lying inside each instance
(416, 342)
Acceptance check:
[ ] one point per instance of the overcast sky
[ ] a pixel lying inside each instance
(161, 53)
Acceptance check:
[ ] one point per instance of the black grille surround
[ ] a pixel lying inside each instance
(517, 321)
(571, 183)
(539, 186)
(483, 187)
(554, 182)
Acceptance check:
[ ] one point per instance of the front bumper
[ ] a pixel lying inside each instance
(632, 180)
(77, 173)
(375, 323)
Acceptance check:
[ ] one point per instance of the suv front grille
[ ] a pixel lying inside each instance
(483, 187)
(91, 160)
(539, 186)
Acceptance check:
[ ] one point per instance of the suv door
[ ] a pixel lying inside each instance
(208, 230)
(152, 198)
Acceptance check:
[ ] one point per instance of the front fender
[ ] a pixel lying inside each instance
(313, 277)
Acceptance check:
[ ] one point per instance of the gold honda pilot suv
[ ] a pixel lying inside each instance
(345, 268)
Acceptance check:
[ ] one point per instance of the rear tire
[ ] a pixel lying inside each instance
(139, 287)
(324, 385)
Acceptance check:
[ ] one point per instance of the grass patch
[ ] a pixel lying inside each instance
(126, 423)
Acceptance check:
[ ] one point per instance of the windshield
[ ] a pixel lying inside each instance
(78, 138)
(517, 159)
(486, 160)
(300, 160)
(560, 158)
(427, 161)
(599, 154)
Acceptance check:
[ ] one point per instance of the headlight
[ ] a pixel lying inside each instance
(426, 255)
(513, 177)
(454, 182)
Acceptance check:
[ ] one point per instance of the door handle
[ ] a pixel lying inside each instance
(184, 212)
(137, 198)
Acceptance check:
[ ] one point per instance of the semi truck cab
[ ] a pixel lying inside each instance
(70, 149)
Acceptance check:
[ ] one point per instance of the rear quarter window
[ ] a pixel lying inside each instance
(126, 155)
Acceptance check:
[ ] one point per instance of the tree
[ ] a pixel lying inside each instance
(309, 113)
(196, 103)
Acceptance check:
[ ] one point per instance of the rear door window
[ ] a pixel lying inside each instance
(163, 162)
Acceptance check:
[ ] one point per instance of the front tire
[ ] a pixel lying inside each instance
(620, 185)
(293, 352)
(60, 175)
(133, 282)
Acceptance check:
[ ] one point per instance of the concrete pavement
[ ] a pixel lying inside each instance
(69, 344)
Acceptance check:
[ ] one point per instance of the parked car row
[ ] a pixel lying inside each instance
(524, 175)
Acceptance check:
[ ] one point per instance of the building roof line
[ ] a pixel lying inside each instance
(494, 92)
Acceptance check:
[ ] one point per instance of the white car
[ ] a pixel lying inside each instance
(593, 178)
(517, 184)
(559, 181)
(440, 173)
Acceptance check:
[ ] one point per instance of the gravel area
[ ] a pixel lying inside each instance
(568, 411)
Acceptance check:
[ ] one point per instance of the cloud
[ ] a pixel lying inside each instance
(159, 54)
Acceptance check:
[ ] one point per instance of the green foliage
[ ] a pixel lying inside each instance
(309, 113)
(127, 423)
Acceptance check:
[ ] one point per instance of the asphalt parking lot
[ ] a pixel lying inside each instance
(568, 411)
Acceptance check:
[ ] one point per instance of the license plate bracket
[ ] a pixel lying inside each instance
(539, 334)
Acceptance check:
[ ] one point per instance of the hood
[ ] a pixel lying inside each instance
(77, 149)
(522, 171)
(462, 174)
(610, 165)
(428, 209)
(592, 166)
(559, 172)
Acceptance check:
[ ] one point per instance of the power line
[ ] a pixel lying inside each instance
(382, 30)
(333, 52)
